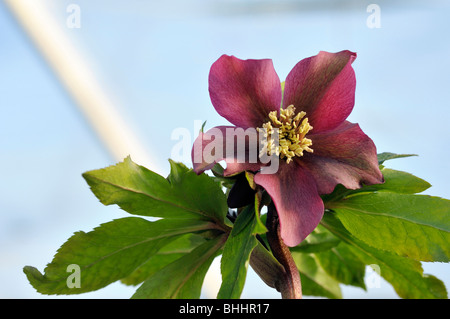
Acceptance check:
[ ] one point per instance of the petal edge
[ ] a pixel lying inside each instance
(244, 91)
(345, 155)
(234, 145)
(299, 206)
(324, 87)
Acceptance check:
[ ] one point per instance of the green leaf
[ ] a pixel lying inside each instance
(335, 259)
(236, 254)
(108, 253)
(218, 172)
(166, 255)
(139, 191)
(399, 182)
(382, 157)
(315, 281)
(394, 182)
(177, 171)
(404, 274)
(415, 226)
(150, 267)
(260, 226)
(343, 265)
(435, 286)
(317, 241)
(183, 278)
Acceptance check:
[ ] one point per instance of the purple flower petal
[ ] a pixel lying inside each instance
(244, 91)
(344, 156)
(324, 87)
(236, 146)
(294, 193)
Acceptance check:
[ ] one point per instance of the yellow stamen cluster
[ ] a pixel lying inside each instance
(292, 129)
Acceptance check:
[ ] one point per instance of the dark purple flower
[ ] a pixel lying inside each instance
(317, 148)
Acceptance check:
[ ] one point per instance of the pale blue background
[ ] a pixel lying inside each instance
(155, 58)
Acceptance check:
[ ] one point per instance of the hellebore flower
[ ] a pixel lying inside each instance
(317, 148)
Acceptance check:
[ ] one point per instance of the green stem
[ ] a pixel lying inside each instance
(289, 284)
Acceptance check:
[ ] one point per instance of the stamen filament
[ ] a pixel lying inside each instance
(292, 131)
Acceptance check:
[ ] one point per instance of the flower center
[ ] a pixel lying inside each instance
(291, 129)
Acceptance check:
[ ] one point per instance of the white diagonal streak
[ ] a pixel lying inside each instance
(74, 72)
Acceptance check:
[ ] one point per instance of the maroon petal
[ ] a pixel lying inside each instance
(294, 193)
(324, 87)
(236, 146)
(244, 91)
(344, 156)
